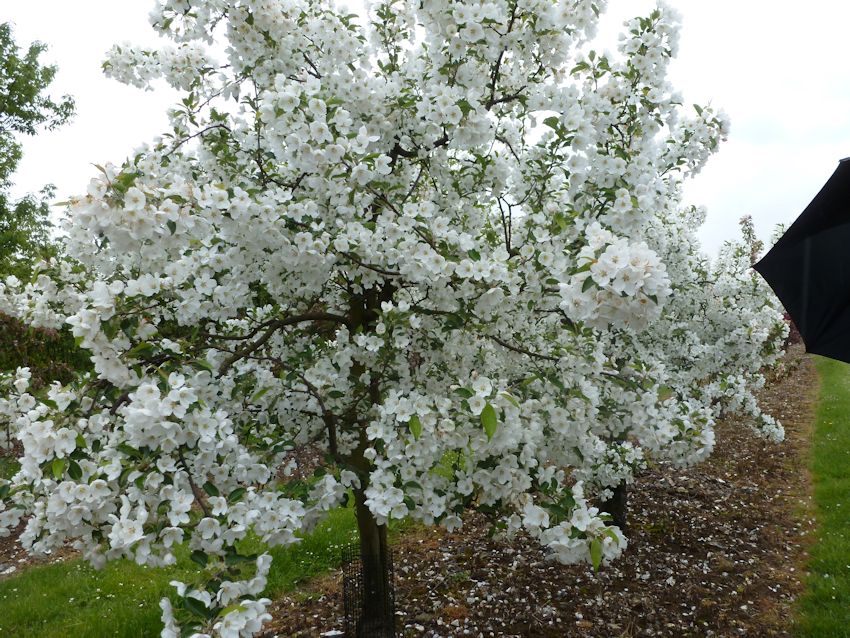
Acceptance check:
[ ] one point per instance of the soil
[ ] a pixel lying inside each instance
(717, 550)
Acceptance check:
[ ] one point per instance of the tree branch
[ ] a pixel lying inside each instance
(274, 326)
(199, 497)
(397, 150)
(201, 133)
(520, 350)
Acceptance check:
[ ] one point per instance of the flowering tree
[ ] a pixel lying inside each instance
(414, 241)
(721, 328)
(746, 323)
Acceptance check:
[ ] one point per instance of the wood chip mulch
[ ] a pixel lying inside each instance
(718, 550)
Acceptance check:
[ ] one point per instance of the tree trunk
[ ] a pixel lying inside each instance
(377, 611)
(377, 618)
(618, 505)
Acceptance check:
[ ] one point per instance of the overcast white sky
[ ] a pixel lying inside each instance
(778, 67)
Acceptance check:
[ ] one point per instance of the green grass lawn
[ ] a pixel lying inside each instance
(72, 600)
(8, 467)
(825, 607)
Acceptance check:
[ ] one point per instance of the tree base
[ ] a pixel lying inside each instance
(617, 506)
(367, 614)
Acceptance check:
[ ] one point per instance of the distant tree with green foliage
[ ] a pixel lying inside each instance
(25, 109)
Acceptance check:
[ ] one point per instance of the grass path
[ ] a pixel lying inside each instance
(825, 607)
(72, 600)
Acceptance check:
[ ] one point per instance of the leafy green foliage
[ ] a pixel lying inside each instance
(23, 103)
(24, 232)
(50, 354)
(25, 108)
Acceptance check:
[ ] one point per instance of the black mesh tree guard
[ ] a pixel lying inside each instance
(354, 598)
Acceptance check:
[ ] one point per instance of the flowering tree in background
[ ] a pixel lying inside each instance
(433, 244)
(746, 324)
(721, 329)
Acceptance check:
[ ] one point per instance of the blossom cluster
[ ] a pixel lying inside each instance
(627, 282)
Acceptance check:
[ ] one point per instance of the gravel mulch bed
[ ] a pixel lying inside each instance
(714, 551)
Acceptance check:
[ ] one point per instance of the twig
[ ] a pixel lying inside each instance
(195, 491)
(274, 326)
(201, 132)
(535, 355)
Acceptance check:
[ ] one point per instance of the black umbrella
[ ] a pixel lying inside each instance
(809, 269)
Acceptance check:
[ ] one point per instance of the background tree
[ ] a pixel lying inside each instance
(25, 109)
(720, 332)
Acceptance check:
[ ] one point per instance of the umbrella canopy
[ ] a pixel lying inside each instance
(809, 269)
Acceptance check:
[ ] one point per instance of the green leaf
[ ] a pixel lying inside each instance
(557, 511)
(58, 468)
(211, 489)
(415, 426)
(202, 364)
(454, 321)
(587, 285)
(583, 268)
(236, 494)
(196, 607)
(199, 557)
(511, 399)
(489, 420)
(233, 607)
(553, 122)
(74, 470)
(124, 181)
(128, 325)
(259, 395)
(235, 559)
(129, 450)
(466, 393)
(141, 350)
(596, 553)
(172, 226)
(610, 533)
(189, 630)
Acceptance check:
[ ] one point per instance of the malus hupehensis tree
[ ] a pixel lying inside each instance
(431, 243)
